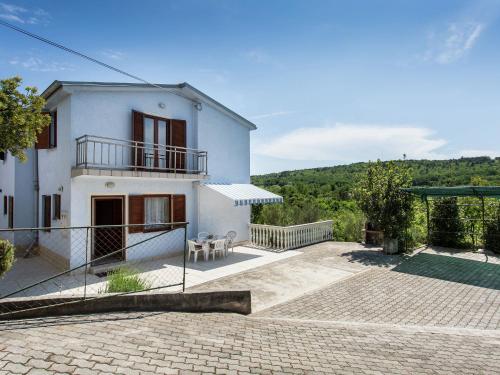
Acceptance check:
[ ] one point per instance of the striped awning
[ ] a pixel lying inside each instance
(245, 194)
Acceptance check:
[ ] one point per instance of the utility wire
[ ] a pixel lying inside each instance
(79, 54)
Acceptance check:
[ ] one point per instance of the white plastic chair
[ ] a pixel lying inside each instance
(203, 236)
(193, 249)
(230, 236)
(219, 247)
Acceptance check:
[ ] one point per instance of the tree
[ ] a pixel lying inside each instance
(21, 117)
(381, 199)
(447, 228)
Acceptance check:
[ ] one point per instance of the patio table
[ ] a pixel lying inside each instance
(206, 243)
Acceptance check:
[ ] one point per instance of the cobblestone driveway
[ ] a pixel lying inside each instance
(225, 343)
(431, 314)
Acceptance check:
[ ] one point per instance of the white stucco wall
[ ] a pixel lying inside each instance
(7, 185)
(84, 187)
(228, 145)
(218, 215)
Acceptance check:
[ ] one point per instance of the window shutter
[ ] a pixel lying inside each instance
(137, 136)
(11, 212)
(178, 138)
(178, 208)
(53, 141)
(57, 206)
(47, 217)
(43, 139)
(136, 213)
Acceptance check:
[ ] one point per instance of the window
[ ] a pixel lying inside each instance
(57, 206)
(48, 137)
(156, 211)
(152, 210)
(5, 204)
(46, 206)
(3, 156)
(11, 212)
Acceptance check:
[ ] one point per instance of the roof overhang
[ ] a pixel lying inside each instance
(184, 89)
(245, 194)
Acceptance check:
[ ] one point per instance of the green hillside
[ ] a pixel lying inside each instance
(326, 193)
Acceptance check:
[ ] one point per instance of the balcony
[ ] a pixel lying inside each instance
(102, 156)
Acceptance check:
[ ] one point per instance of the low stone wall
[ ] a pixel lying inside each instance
(238, 301)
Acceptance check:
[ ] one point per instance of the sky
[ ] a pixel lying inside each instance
(326, 82)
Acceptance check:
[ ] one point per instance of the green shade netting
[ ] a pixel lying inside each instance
(455, 191)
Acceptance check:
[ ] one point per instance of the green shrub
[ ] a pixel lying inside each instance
(447, 229)
(124, 280)
(492, 235)
(348, 225)
(7, 255)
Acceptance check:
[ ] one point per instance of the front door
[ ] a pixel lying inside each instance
(108, 240)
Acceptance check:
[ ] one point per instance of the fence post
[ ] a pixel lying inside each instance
(86, 262)
(184, 260)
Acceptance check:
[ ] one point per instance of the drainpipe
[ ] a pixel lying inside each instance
(36, 185)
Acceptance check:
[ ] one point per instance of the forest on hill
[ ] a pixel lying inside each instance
(327, 193)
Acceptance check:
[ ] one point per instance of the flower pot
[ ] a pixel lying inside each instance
(390, 245)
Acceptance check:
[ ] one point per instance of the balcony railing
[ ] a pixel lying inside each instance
(110, 153)
(285, 238)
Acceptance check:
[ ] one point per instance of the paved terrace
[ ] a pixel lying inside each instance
(434, 313)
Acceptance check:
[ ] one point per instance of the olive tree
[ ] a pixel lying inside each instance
(21, 117)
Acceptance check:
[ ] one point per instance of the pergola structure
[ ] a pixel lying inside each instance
(480, 192)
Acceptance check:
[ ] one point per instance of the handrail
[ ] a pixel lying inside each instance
(112, 153)
(291, 237)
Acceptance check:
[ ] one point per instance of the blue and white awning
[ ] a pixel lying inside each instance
(245, 194)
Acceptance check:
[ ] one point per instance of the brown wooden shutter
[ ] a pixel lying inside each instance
(178, 208)
(138, 136)
(54, 124)
(136, 213)
(57, 206)
(43, 139)
(178, 138)
(11, 212)
(47, 217)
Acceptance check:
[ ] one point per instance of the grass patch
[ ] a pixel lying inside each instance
(124, 280)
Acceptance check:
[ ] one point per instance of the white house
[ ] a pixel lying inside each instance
(122, 153)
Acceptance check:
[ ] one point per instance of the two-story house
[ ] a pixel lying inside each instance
(122, 153)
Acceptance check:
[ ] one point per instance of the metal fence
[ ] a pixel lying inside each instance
(92, 262)
(110, 153)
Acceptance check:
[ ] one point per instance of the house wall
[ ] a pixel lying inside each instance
(84, 187)
(24, 200)
(219, 215)
(7, 185)
(228, 145)
(55, 178)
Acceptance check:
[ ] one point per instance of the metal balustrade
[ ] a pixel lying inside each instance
(285, 238)
(110, 153)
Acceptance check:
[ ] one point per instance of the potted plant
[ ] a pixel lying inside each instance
(386, 206)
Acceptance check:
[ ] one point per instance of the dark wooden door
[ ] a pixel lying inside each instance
(108, 240)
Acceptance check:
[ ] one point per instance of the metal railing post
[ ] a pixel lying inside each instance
(184, 260)
(86, 262)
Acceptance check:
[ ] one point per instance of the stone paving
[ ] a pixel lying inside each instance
(227, 343)
(433, 313)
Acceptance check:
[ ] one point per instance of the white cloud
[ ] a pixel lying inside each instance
(36, 64)
(454, 43)
(15, 13)
(271, 114)
(113, 54)
(352, 142)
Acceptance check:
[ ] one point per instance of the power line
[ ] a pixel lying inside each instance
(86, 57)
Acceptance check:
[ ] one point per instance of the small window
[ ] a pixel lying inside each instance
(47, 217)
(11, 212)
(156, 211)
(2, 156)
(57, 206)
(5, 204)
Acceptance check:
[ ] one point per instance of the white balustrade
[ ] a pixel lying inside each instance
(291, 237)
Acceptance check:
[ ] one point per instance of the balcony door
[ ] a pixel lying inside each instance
(161, 143)
(156, 139)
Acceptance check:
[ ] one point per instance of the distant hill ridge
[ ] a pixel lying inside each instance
(340, 178)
